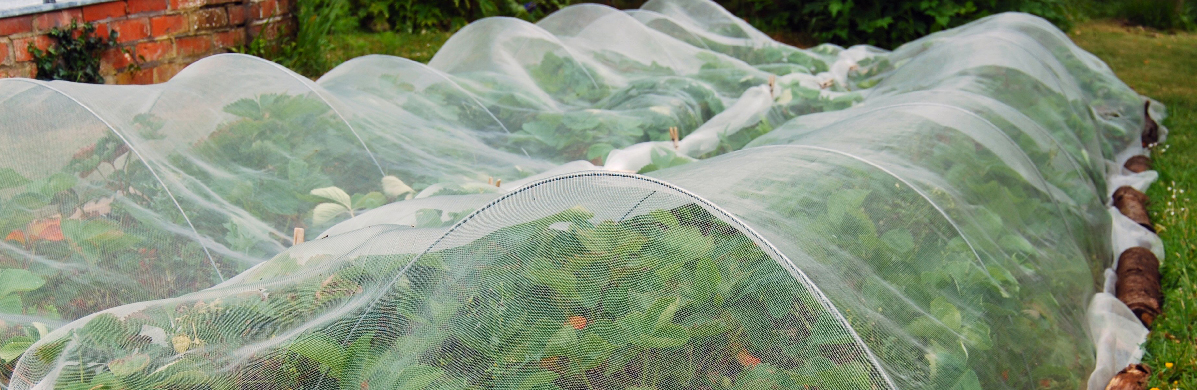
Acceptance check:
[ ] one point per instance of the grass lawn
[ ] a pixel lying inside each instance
(418, 47)
(1164, 67)
(1160, 65)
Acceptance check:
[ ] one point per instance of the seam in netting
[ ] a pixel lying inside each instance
(305, 82)
(199, 239)
(765, 244)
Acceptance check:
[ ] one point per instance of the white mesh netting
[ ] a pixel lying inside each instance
(933, 217)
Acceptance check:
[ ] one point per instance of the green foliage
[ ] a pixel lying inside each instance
(883, 23)
(1159, 14)
(306, 49)
(664, 300)
(415, 16)
(74, 55)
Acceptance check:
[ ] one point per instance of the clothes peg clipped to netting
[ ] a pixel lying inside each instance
(297, 237)
(673, 135)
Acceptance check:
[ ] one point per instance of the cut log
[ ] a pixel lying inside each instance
(1133, 377)
(1133, 204)
(1151, 130)
(1138, 164)
(1138, 284)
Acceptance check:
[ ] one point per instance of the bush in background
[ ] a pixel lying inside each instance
(883, 23)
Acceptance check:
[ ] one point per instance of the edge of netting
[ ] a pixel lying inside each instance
(798, 273)
(199, 239)
(914, 188)
(308, 84)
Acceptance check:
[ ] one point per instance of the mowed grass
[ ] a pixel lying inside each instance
(417, 47)
(1164, 66)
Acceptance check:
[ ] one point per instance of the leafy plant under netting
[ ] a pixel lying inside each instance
(931, 217)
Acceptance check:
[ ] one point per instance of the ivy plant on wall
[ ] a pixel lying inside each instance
(74, 55)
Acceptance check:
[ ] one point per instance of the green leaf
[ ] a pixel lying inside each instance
(946, 313)
(18, 280)
(336, 195)
(369, 201)
(706, 280)
(392, 187)
(9, 178)
(322, 349)
(968, 381)
(325, 212)
(418, 377)
(899, 240)
(129, 365)
(13, 350)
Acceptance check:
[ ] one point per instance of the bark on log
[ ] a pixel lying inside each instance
(1133, 377)
(1133, 204)
(1151, 130)
(1138, 164)
(1138, 284)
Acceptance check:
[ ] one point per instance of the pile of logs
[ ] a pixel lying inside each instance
(1138, 270)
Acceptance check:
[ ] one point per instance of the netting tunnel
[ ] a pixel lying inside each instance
(661, 198)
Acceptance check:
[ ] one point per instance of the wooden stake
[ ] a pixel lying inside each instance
(297, 237)
(673, 134)
(1138, 164)
(490, 180)
(1133, 377)
(1151, 130)
(1133, 204)
(772, 85)
(1138, 284)
(498, 182)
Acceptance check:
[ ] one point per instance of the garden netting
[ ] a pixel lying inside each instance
(661, 198)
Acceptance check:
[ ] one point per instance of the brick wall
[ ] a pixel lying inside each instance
(156, 39)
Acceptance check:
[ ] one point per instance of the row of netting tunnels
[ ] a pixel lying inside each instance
(661, 198)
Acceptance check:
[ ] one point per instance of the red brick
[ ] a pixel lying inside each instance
(193, 46)
(209, 18)
(20, 47)
(16, 25)
(153, 51)
(24, 69)
(139, 6)
(168, 24)
(219, 2)
(117, 58)
(185, 4)
(101, 11)
(3, 52)
(50, 20)
(265, 9)
(144, 76)
(131, 29)
(236, 14)
(102, 30)
(230, 38)
(163, 73)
